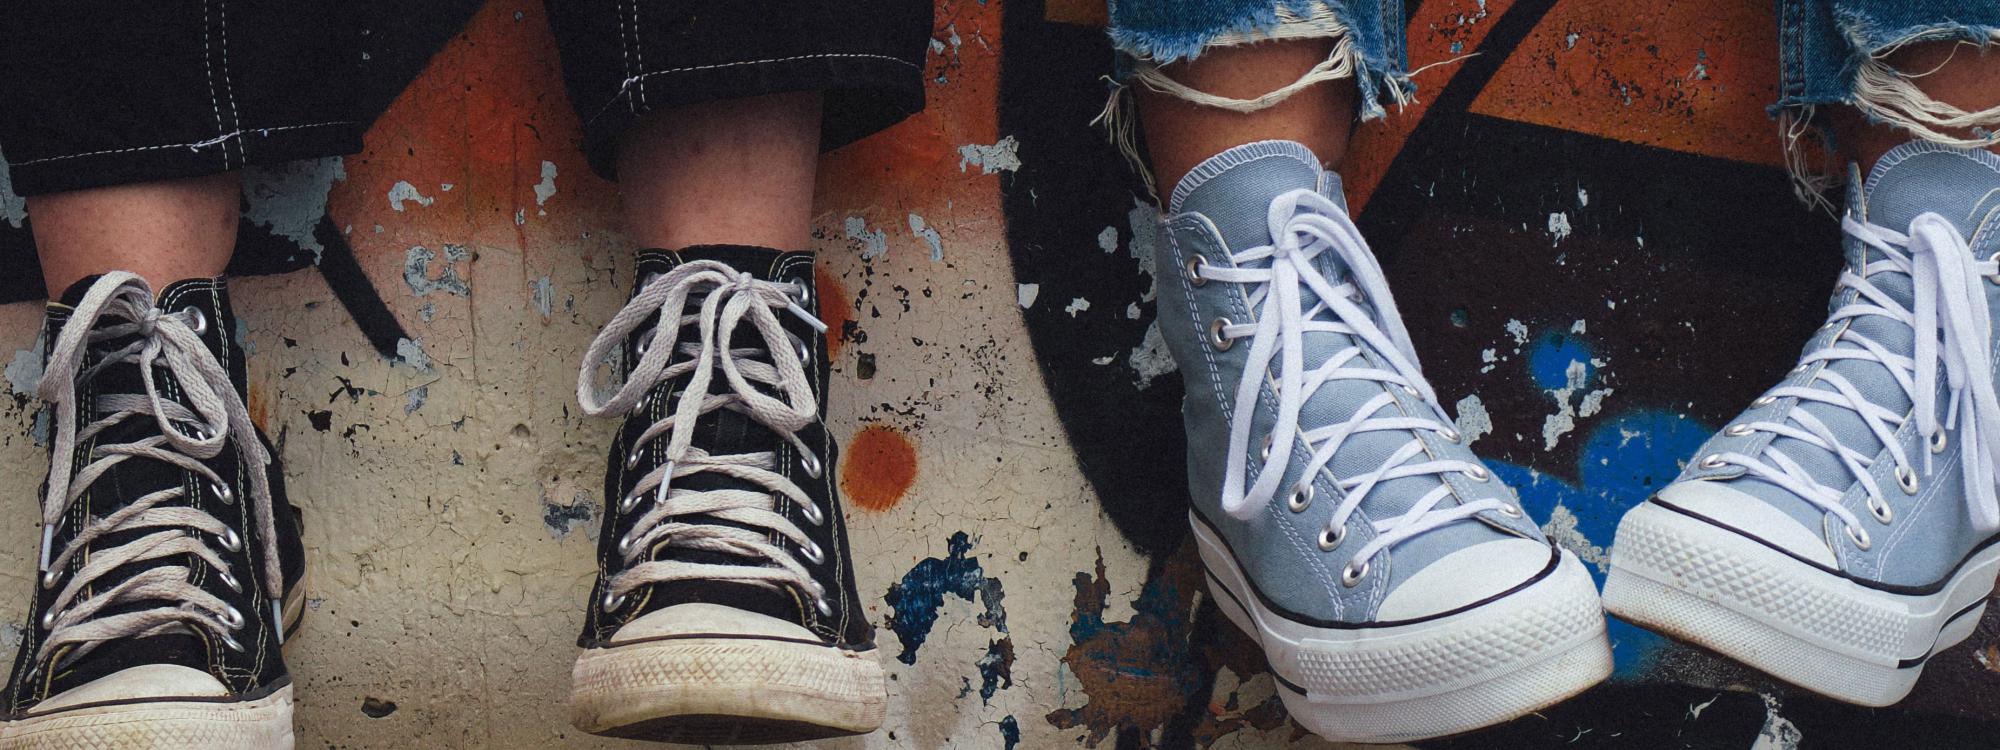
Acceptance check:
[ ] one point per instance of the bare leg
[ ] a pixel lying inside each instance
(738, 171)
(1180, 134)
(1963, 75)
(163, 231)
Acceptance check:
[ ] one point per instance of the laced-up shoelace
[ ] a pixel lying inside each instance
(118, 306)
(1951, 324)
(727, 298)
(1304, 225)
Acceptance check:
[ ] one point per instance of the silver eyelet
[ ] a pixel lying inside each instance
(1993, 277)
(232, 643)
(1412, 390)
(1801, 369)
(813, 516)
(1906, 478)
(223, 493)
(1216, 338)
(820, 605)
(1881, 511)
(645, 402)
(1479, 473)
(813, 553)
(1301, 499)
(1264, 452)
(200, 324)
(799, 348)
(1511, 511)
(232, 618)
(1712, 461)
(49, 579)
(1331, 538)
(1450, 435)
(625, 544)
(645, 342)
(632, 459)
(1764, 401)
(228, 579)
(1938, 441)
(1737, 430)
(1859, 537)
(49, 620)
(611, 603)
(231, 540)
(1194, 264)
(627, 503)
(804, 295)
(810, 463)
(1350, 575)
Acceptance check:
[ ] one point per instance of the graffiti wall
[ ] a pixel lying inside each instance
(1584, 216)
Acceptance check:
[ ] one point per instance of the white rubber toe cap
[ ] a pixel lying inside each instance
(697, 618)
(144, 681)
(1465, 577)
(1720, 503)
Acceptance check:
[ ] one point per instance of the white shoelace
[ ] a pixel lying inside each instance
(1951, 323)
(171, 340)
(727, 298)
(1305, 224)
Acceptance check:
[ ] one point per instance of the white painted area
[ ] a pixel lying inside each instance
(546, 189)
(403, 192)
(929, 234)
(874, 242)
(1076, 306)
(1025, 294)
(1473, 420)
(1002, 156)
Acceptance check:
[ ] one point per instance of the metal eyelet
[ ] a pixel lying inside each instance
(804, 295)
(1712, 461)
(1194, 264)
(1350, 575)
(813, 516)
(1801, 369)
(625, 544)
(1450, 435)
(804, 353)
(1264, 451)
(1737, 430)
(223, 493)
(813, 553)
(200, 324)
(810, 463)
(232, 618)
(232, 643)
(1479, 473)
(1906, 478)
(1993, 277)
(1216, 338)
(820, 605)
(231, 540)
(1859, 537)
(632, 459)
(1331, 538)
(645, 342)
(1881, 511)
(49, 620)
(1511, 511)
(609, 603)
(1764, 401)
(645, 402)
(627, 503)
(1412, 390)
(1938, 441)
(1301, 499)
(49, 579)
(228, 579)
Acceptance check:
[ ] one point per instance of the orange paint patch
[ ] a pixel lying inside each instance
(881, 465)
(834, 308)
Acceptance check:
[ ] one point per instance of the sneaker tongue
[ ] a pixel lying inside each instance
(1909, 181)
(1234, 189)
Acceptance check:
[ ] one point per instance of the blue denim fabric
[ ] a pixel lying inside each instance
(1164, 31)
(1822, 43)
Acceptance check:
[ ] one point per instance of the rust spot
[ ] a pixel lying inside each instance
(834, 309)
(881, 465)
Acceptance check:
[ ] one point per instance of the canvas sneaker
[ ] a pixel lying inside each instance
(1398, 591)
(725, 609)
(170, 562)
(1842, 530)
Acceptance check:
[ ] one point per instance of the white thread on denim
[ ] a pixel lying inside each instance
(196, 145)
(229, 85)
(625, 89)
(208, 67)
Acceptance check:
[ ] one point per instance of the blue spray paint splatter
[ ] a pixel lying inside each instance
(915, 601)
(1010, 731)
(1624, 462)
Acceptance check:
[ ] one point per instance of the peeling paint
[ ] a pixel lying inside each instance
(416, 399)
(13, 208)
(418, 271)
(290, 198)
(874, 243)
(1473, 420)
(411, 352)
(546, 189)
(24, 374)
(563, 519)
(403, 191)
(1150, 359)
(1562, 530)
(1025, 294)
(915, 601)
(928, 234)
(542, 292)
(1002, 156)
(996, 668)
(1778, 733)
(1076, 306)
(1107, 240)
(1559, 227)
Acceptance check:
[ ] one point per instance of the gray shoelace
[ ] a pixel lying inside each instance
(187, 436)
(727, 298)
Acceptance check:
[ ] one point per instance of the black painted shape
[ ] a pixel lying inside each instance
(352, 287)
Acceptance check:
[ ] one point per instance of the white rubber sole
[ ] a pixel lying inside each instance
(1453, 674)
(727, 690)
(1712, 587)
(261, 724)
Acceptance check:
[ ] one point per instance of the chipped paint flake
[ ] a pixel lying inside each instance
(1559, 227)
(1107, 240)
(1025, 294)
(1562, 529)
(1076, 306)
(546, 189)
(1002, 156)
(1778, 733)
(290, 198)
(1150, 359)
(411, 352)
(1473, 419)
(403, 191)
(24, 374)
(874, 242)
(418, 271)
(542, 292)
(929, 234)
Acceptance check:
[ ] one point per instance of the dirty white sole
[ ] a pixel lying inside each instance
(1441, 676)
(1718, 589)
(723, 689)
(159, 725)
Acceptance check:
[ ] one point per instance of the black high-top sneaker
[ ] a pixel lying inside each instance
(170, 560)
(725, 608)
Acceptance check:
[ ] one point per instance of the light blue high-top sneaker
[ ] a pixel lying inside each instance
(1398, 591)
(1842, 530)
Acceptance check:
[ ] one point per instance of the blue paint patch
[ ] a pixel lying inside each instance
(996, 668)
(1010, 731)
(1624, 462)
(914, 602)
(1549, 358)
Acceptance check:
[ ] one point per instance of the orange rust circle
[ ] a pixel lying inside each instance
(881, 465)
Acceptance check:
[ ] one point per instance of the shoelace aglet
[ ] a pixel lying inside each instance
(278, 619)
(809, 318)
(48, 540)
